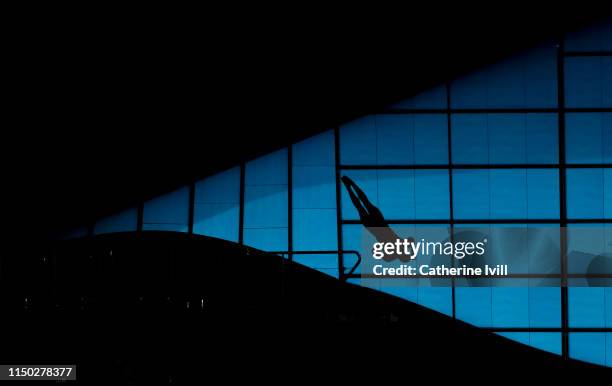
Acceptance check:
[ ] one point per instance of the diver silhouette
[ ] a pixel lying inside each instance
(372, 218)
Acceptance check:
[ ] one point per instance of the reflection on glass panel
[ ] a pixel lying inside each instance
(217, 205)
(506, 193)
(266, 202)
(588, 137)
(588, 81)
(526, 80)
(504, 138)
(169, 212)
(125, 221)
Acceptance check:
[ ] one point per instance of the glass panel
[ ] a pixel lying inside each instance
(544, 307)
(506, 193)
(593, 38)
(504, 138)
(432, 197)
(398, 139)
(169, 212)
(430, 139)
(314, 187)
(266, 202)
(588, 81)
(394, 139)
(588, 347)
(437, 298)
(315, 224)
(546, 341)
(526, 80)
(217, 205)
(266, 239)
(588, 137)
(315, 151)
(265, 206)
(590, 307)
(315, 229)
(589, 193)
(509, 307)
(358, 142)
(473, 305)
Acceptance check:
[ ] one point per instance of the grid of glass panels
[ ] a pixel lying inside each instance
(587, 73)
(525, 142)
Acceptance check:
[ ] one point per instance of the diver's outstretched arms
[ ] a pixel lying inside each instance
(371, 217)
(351, 188)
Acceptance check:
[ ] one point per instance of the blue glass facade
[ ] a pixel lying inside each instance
(524, 141)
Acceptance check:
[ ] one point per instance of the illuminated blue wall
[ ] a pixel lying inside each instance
(508, 122)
